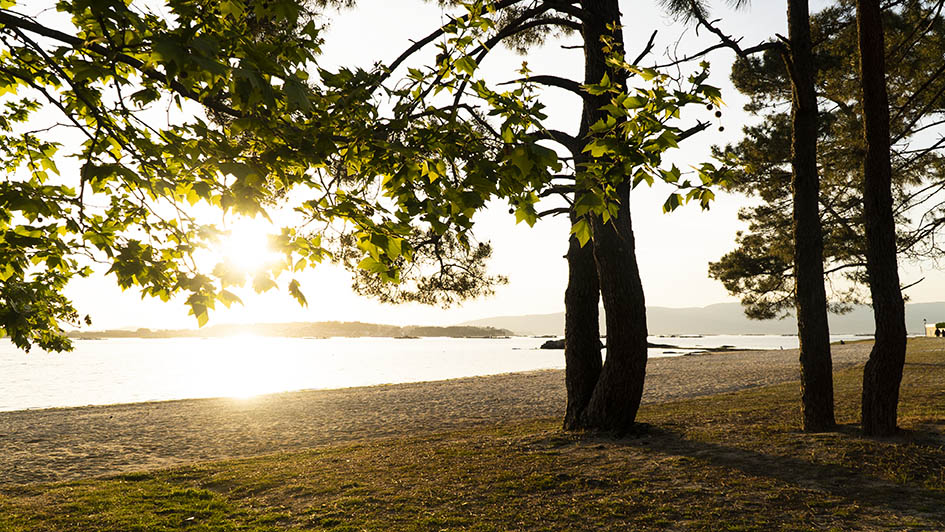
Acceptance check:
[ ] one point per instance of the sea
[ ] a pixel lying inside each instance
(130, 370)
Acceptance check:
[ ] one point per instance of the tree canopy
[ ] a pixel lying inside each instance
(760, 269)
(127, 188)
(186, 107)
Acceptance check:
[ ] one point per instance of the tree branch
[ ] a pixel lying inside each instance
(699, 127)
(552, 81)
(569, 142)
(910, 285)
(556, 189)
(554, 212)
(568, 8)
(646, 49)
(430, 38)
(726, 41)
(18, 22)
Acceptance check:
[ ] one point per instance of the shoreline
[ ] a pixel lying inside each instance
(44, 445)
(665, 351)
(274, 395)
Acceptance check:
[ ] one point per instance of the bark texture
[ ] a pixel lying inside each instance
(581, 331)
(883, 371)
(810, 295)
(616, 398)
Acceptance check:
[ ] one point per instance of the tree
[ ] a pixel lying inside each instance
(883, 371)
(252, 119)
(620, 143)
(810, 296)
(760, 268)
(129, 204)
(393, 170)
(812, 328)
(613, 403)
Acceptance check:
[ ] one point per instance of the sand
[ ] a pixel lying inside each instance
(72, 443)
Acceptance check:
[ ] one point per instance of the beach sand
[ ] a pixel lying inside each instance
(72, 443)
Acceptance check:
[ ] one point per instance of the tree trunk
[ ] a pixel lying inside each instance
(810, 296)
(581, 331)
(616, 397)
(883, 371)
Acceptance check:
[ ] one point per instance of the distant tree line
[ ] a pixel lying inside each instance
(320, 329)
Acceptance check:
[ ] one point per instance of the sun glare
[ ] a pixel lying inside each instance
(247, 246)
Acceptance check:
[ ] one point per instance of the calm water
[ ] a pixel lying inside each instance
(133, 370)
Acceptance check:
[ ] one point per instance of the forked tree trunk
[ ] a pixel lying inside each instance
(810, 296)
(883, 372)
(581, 331)
(616, 398)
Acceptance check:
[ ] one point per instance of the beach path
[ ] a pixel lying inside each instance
(72, 443)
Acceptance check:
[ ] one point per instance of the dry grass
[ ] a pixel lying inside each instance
(729, 462)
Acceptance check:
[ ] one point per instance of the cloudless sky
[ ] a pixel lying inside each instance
(673, 249)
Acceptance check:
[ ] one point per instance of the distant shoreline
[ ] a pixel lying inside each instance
(322, 329)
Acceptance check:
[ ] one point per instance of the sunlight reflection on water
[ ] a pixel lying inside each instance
(133, 369)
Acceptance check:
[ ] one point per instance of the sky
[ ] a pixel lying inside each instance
(673, 249)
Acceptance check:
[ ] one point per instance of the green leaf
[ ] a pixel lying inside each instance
(600, 147)
(672, 202)
(634, 102)
(372, 265)
(526, 213)
(466, 64)
(672, 175)
(231, 7)
(521, 159)
(296, 292)
(263, 283)
(582, 230)
(587, 202)
(296, 96)
(714, 94)
(228, 298)
(667, 139)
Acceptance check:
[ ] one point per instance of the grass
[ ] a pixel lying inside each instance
(735, 462)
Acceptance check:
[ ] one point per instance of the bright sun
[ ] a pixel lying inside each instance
(247, 246)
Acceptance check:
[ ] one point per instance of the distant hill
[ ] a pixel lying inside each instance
(722, 318)
(303, 330)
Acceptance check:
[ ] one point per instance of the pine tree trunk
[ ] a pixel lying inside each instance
(883, 372)
(581, 331)
(616, 398)
(810, 296)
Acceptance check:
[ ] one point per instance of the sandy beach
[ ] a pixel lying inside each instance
(73, 443)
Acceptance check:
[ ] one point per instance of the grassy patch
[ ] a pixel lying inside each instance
(730, 462)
